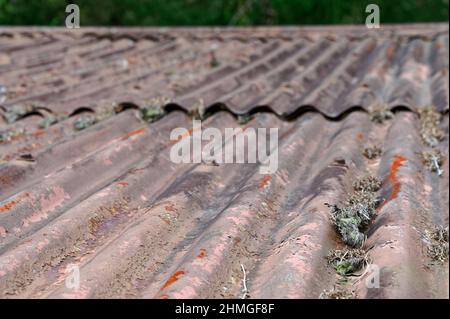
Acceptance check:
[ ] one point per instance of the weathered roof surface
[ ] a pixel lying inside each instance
(108, 199)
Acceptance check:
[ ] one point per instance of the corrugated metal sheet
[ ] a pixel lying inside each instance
(108, 198)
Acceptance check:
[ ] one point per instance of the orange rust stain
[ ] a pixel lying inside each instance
(390, 52)
(38, 133)
(264, 181)
(124, 184)
(132, 60)
(172, 279)
(439, 45)
(13, 203)
(360, 136)
(399, 161)
(165, 220)
(170, 207)
(189, 133)
(2, 232)
(202, 253)
(13, 138)
(5, 180)
(133, 133)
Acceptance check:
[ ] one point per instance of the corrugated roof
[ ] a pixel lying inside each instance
(108, 199)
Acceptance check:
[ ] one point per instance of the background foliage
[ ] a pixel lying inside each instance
(219, 12)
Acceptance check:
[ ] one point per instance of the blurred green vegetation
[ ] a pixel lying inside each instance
(219, 12)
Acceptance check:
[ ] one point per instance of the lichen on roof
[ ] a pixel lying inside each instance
(198, 110)
(372, 152)
(367, 183)
(379, 113)
(433, 160)
(430, 132)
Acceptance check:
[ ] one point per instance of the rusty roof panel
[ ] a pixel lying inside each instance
(109, 200)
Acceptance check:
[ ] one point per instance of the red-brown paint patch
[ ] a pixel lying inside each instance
(264, 181)
(202, 253)
(38, 133)
(13, 203)
(165, 296)
(172, 279)
(170, 207)
(134, 133)
(390, 52)
(123, 184)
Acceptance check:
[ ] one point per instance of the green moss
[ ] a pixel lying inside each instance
(348, 261)
(17, 112)
(151, 114)
(347, 222)
(52, 119)
(84, 121)
(357, 211)
(243, 119)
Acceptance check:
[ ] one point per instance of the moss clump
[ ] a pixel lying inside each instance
(17, 112)
(367, 183)
(364, 205)
(356, 211)
(84, 121)
(47, 122)
(51, 120)
(433, 160)
(430, 132)
(337, 293)
(214, 62)
(243, 119)
(107, 110)
(348, 261)
(379, 113)
(151, 114)
(347, 221)
(154, 109)
(372, 152)
(437, 239)
(198, 110)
